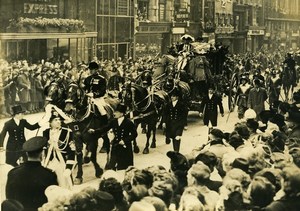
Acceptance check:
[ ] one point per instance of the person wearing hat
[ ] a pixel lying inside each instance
(60, 143)
(174, 119)
(243, 92)
(273, 87)
(27, 183)
(95, 87)
(16, 137)
(24, 86)
(124, 132)
(95, 83)
(257, 76)
(209, 108)
(257, 98)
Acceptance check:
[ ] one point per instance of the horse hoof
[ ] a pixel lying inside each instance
(78, 181)
(153, 145)
(99, 172)
(146, 151)
(103, 150)
(168, 141)
(86, 159)
(136, 149)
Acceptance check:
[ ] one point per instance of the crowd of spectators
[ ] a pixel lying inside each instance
(244, 169)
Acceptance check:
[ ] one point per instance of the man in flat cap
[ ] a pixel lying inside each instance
(28, 182)
(15, 128)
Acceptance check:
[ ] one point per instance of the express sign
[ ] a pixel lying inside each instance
(41, 7)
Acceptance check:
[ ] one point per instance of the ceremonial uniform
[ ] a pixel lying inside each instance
(27, 183)
(64, 139)
(174, 119)
(96, 84)
(16, 137)
(209, 108)
(124, 131)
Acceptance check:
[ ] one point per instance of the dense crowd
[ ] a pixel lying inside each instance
(254, 167)
(243, 169)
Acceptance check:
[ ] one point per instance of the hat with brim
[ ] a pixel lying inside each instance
(35, 144)
(17, 109)
(55, 115)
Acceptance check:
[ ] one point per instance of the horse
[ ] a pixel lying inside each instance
(146, 107)
(85, 115)
(55, 93)
(289, 81)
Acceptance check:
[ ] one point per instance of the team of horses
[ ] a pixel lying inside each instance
(145, 97)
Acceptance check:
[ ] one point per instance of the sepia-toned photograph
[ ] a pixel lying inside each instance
(149, 105)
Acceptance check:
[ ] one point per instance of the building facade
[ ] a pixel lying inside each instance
(282, 21)
(115, 26)
(47, 29)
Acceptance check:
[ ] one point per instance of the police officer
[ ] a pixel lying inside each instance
(174, 119)
(15, 128)
(27, 183)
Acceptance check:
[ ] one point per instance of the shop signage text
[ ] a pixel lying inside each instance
(256, 32)
(42, 7)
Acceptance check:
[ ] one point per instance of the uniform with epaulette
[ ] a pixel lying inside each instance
(95, 83)
(62, 138)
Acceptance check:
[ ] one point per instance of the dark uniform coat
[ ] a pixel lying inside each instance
(96, 84)
(122, 156)
(175, 118)
(209, 108)
(27, 184)
(64, 142)
(16, 139)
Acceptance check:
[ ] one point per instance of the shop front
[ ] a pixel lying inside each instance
(77, 47)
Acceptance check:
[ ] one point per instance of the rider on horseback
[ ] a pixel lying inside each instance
(95, 86)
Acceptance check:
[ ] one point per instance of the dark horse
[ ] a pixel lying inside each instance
(289, 81)
(146, 107)
(86, 116)
(55, 93)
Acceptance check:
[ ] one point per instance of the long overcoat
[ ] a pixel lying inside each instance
(175, 118)
(209, 108)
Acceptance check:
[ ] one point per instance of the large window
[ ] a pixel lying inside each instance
(143, 10)
(123, 7)
(162, 10)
